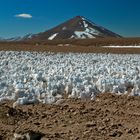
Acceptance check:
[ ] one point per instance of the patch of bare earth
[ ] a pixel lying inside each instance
(108, 117)
(75, 46)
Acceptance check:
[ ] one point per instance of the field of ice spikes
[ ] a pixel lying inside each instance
(31, 77)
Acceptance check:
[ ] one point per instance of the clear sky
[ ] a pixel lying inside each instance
(20, 17)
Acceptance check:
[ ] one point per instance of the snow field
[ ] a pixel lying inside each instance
(32, 77)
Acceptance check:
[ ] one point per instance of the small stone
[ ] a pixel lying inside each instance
(138, 137)
(75, 113)
(86, 132)
(44, 138)
(60, 101)
(55, 121)
(64, 125)
(71, 122)
(101, 128)
(90, 124)
(116, 134)
(57, 135)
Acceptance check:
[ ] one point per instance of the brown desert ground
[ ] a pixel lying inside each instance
(108, 117)
(75, 46)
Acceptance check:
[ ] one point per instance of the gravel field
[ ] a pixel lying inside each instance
(108, 117)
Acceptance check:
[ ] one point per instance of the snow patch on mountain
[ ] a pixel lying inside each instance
(92, 31)
(85, 23)
(83, 34)
(53, 36)
(64, 28)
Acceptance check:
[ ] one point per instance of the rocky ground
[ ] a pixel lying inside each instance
(76, 46)
(108, 117)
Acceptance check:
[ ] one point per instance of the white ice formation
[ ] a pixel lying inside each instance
(32, 77)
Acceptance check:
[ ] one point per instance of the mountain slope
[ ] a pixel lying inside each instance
(75, 28)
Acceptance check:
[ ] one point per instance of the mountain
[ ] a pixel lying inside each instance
(13, 39)
(75, 28)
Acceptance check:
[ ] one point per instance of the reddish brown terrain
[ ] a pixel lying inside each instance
(108, 117)
(81, 46)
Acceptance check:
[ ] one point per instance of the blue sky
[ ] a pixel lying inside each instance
(120, 16)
